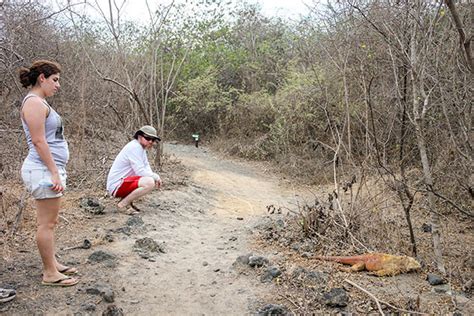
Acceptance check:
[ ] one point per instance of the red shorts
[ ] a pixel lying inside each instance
(129, 184)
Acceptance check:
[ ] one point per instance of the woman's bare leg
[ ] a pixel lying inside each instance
(47, 213)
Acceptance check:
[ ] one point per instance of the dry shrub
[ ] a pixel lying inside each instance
(375, 223)
(355, 229)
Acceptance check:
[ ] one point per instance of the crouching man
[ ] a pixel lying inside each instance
(130, 176)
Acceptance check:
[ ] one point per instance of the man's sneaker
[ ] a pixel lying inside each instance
(7, 295)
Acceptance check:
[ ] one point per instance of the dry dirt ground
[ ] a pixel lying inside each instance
(201, 221)
(178, 256)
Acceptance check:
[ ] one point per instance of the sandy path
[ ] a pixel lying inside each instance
(204, 219)
(202, 237)
(204, 222)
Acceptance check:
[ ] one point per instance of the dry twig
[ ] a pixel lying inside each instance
(289, 300)
(19, 215)
(64, 219)
(377, 301)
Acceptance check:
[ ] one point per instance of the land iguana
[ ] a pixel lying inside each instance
(380, 264)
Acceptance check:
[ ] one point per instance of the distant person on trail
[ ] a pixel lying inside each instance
(130, 176)
(44, 169)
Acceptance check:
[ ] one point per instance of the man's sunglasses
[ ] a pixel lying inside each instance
(149, 138)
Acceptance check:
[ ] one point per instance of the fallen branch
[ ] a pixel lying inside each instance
(377, 301)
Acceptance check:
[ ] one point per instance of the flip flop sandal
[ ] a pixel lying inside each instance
(7, 295)
(60, 282)
(130, 211)
(66, 271)
(134, 207)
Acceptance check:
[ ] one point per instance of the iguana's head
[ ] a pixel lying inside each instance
(412, 264)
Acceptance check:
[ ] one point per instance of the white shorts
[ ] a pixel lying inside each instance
(35, 175)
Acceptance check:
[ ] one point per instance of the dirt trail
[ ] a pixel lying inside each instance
(192, 276)
(203, 226)
(203, 233)
(238, 188)
(203, 223)
(203, 218)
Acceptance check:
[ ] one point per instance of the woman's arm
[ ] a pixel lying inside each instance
(34, 113)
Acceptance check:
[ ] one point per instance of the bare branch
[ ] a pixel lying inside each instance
(70, 5)
(450, 202)
(464, 40)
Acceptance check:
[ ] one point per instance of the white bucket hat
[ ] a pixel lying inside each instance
(149, 131)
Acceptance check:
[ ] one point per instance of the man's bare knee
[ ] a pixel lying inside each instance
(148, 183)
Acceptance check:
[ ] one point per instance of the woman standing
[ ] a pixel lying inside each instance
(43, 170)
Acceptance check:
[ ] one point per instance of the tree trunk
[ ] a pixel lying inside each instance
(419, 112)
(158, 155)
(420, 108)
(348, 113)
(405, 191)
(428, 179)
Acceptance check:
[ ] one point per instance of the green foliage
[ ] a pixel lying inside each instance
(199, 105)
(275, 126)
